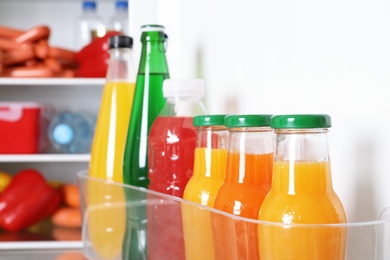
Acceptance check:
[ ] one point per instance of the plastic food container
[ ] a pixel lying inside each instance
(20, 127)
(363, 240)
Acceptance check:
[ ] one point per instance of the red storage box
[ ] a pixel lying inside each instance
(19, 127)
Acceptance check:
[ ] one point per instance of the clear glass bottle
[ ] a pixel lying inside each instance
(148, 103)
(108, 147)
(209, 174)
(247, 182)
(171, 148)
(301, 193)
(89, 25)
(119, 21)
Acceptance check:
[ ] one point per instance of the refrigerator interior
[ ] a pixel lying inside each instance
(273, 57)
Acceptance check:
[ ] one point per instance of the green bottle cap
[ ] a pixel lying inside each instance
(301, 121)
(209, 120)
(247, 120)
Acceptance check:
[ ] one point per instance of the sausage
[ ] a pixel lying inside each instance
(34, 34)
(28, 72)
(41, 49)
(66, 73)
(53, 64)
(8, 32)
(20, 55)
(31, 63)
(8, 44)
(63, 54)
(28, 54)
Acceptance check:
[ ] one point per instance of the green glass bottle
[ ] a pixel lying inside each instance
(147, 104)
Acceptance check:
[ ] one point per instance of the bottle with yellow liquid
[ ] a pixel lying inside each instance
(108, 224)
(203, 186)
(301, 193)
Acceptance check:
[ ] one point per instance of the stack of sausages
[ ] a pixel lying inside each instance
(28, 54)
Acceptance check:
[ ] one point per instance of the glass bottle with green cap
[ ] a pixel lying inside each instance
(209, 173)
(247, 182)
(302, 193)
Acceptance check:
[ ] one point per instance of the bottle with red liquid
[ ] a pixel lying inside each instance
(171, 148)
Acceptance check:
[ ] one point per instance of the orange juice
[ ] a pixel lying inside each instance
(107, 163)
(247, 182)
(202, 188)
(301, 194)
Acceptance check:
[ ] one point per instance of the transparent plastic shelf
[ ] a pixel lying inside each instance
(171, 227)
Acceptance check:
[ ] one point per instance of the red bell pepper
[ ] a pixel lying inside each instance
(93, 58)
(27, 200)
(94, 67)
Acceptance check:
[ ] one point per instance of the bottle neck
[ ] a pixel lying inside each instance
(250, 157)
(89, 11)
(212, 137)
(122, 11)
(302, 163)
(153, 59)
(183, 107)
(120, 65)
(251, 140)
(304, 145)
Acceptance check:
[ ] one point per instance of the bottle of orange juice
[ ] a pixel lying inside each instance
(247, 182)
(107, 150)
(301, 193)
(202, 188)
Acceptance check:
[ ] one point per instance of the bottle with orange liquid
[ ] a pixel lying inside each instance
(171, 148)
(108, 149)
(302, 193)
(202, 188)
(247, 182)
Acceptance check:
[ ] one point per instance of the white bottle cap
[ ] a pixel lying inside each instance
(183, 88)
